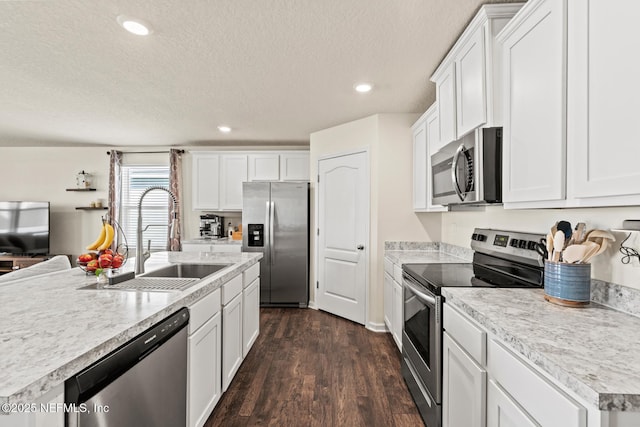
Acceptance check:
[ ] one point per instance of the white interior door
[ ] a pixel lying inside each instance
(343, 222)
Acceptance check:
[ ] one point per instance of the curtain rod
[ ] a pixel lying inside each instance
(145, 152)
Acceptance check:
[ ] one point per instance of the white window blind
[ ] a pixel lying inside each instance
(155, 206)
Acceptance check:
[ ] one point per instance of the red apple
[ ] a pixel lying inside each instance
(117, 261)
(105, 260)
(92, 265)
(84, 258)
(107, 252)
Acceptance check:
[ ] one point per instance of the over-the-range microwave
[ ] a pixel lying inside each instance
(469, 170)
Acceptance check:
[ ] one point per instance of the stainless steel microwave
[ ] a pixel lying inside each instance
(469, 170)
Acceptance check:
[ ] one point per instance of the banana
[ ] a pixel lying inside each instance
(99, 240)
(108, 239)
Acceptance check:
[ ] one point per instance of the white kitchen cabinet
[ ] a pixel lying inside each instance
(463, 387)
(205, 371)
(204, 354)
(420, 171)
(233, 172)
(603, 100)
(204, 183)
(471, 105)
(393, 301)
(502, 411)
(264, 167)
(47, 411)
(388, 301)
(231, 330)
(425, 130)
(446, 100)
(534, 136)
(294, 166)
(398, 310)
(250, 308)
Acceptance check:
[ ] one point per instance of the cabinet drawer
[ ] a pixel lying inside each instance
(251, 274)
(397, 273)
(467, 334)
(232, 288)
(388, 266)
(542, 400)
(203, 309)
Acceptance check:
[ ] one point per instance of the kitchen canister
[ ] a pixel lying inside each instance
(567, 284)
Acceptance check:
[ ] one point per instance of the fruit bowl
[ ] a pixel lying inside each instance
(108, 252)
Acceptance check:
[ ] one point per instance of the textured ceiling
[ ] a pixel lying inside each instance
(273, 70)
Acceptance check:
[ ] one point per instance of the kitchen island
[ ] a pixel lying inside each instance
(50, 328)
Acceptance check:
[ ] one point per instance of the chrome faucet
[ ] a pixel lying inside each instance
(141, 255)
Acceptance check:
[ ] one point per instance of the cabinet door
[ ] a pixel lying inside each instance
(420, 167)
(388, 301)
(471, 98)
(398, 310)
(231, 340)
(264, 167)
(294, 166)
(433, 145)
(205, 181)
(446, 99)
(534, 138)
(504, 412)
(233, 173)
(204, 368)
(604, 97)
(463, 387)
(251, 315)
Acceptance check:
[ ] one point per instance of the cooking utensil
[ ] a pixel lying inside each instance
(549, 240)
(558, 245)
(601, 234)
(574, 253)
(565, 227)
(579, 233)
(592, 248)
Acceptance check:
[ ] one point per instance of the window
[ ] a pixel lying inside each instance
(155, 207)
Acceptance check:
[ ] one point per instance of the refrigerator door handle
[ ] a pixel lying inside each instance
(272, 240)
(266, 224)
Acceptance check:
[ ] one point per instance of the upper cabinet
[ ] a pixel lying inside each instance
(467, 89)
(217, 177)
(570, 99)
(425, 130)
(534, 142)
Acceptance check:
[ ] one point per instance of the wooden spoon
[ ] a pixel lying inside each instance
(579, 233)
(549, 246)
(574, 253)
(558, 245)
(592, 248)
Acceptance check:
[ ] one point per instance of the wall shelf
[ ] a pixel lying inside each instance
(81, 189)
(89, 208)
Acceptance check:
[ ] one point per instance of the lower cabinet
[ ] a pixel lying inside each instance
(463, 387)
(205, 371)
(388, 301)
(251, 315)
(393, 301)
(397, 314)
(231, 339)
(503, 411)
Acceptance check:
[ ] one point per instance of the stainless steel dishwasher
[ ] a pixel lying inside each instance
(142, 383)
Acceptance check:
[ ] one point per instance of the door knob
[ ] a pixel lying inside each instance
(360, 247)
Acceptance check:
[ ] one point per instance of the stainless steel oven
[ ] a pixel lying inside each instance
(469, 170)
(501, 259)
(422, 348)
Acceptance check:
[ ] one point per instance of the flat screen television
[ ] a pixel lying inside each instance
(24, 228)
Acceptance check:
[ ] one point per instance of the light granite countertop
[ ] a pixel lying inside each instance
(49, 329)
(593, 351)
(210, 241)
(426, 252)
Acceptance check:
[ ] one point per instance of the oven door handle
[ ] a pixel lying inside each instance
(427, 299)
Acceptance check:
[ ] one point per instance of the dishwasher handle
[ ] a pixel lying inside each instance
(86, 383)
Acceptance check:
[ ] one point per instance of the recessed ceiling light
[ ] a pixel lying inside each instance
(363, 87)
(224, 129)
(134, 26)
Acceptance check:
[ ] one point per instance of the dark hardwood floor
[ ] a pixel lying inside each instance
(310, 368)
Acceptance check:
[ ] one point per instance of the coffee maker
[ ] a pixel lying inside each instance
(211, 226)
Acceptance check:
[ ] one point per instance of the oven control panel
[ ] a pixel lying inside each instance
(510, 244)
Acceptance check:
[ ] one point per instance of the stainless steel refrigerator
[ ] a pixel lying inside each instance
(275, 221)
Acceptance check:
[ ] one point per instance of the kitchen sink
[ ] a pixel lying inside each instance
(197, 271)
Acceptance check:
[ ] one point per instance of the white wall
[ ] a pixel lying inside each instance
(388, 140)
(457, 228)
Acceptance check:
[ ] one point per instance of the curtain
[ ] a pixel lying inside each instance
(175, 186)
(115, 180)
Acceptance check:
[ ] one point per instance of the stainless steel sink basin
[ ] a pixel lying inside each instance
(196, 271)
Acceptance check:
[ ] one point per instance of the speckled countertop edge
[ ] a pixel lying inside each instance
(591, 351)
(56, 349)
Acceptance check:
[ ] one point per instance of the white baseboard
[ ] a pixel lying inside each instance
(377, 327)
